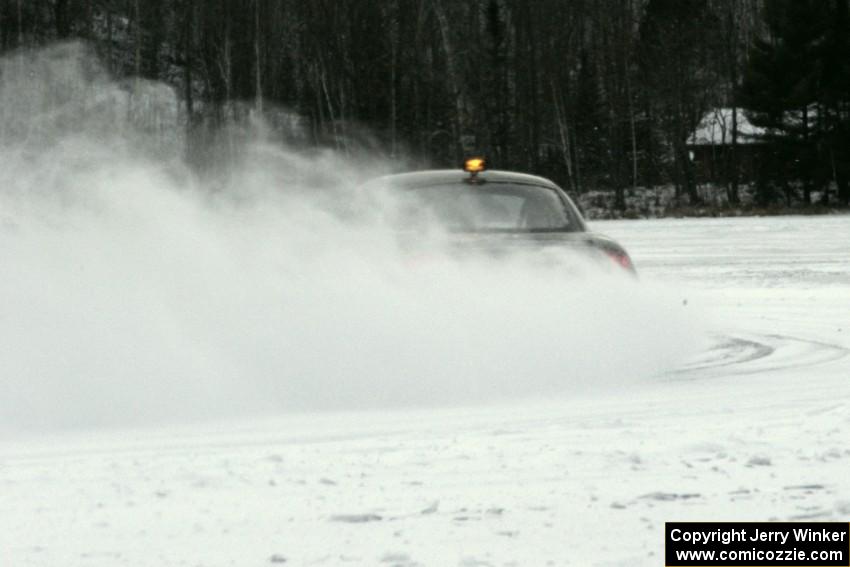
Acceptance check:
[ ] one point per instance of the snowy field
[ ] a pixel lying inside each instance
(755, 427)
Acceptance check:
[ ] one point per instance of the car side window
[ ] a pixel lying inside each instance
(539, 215)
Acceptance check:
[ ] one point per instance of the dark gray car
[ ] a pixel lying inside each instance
(496, 210)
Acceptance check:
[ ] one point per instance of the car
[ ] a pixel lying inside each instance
(496, 210)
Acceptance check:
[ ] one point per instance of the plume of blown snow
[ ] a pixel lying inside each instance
(136, 291)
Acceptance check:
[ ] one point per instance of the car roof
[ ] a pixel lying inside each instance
(442, 176)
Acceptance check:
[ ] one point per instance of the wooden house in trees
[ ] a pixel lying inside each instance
(710, 147)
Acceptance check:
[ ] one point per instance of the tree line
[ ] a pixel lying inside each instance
(596, 94)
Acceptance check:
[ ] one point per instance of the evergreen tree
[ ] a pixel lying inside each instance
(782, 92)
(835, 99)
(591, 145)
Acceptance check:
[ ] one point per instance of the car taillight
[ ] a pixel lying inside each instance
(621, 258)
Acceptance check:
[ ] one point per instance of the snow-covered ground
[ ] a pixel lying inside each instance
(754, 428)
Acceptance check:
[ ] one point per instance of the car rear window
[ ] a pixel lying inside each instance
(468, 207)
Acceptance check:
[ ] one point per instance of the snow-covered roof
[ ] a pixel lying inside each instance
(715, 129)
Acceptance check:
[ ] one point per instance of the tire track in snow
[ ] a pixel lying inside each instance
(747, 354)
